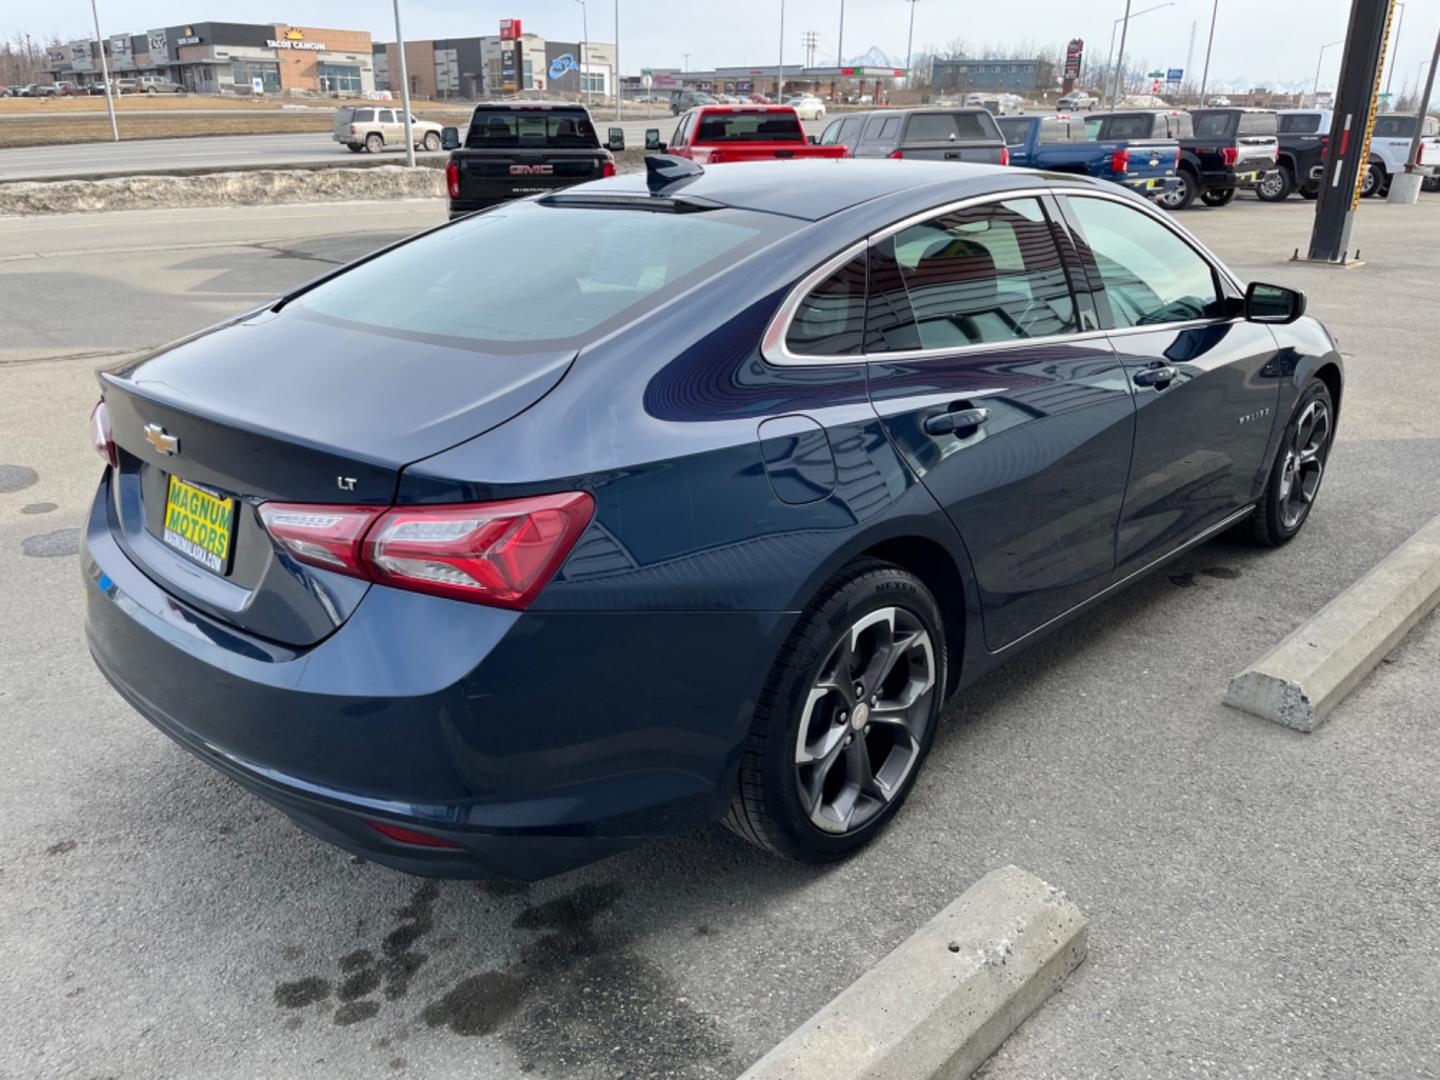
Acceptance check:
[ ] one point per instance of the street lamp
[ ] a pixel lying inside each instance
(910, 49)
(1210, 44)
(780, 71)
(1394, 53)
(1315, 93)
(404, 89)
(104, 72)
(1115, 26)
(616, 87)
(584, 42)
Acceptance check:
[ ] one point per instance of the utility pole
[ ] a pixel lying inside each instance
(1394, 56)
(1205, 77)
(840, 40)
(1120, 64)
(1189, 55)
(910, 50)
(618, 117)
(584, 49)
(404, 88)
(105, 72)
(1315, 93)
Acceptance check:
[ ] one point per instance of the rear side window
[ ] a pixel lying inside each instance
(387, 116)
(1214, 125)
(1128, 127)
(524, 127)
(572, 273)
(1394, 127)
(364, 116)
(982, 275)
(1300, 124)
(872, 128)
(1016, 130)
(1261, 123)
(750, 127)
(890, 129)
(1151, 276)
(830, 320)
(947, 127)
(831, 135)
(850, 129)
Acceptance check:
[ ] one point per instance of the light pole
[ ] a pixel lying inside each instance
(105, 72)
(1315, 93)
(404, 88)
(1394, 53)
(1210, 44)
(840, 40)
(618, 117)
(780, 71)
(910, 49)
(584, 41)
(1115, 26)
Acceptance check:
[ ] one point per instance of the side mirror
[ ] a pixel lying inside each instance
(813, 140)
(1273, 303)
(652, 139)
(616, 140)
(450, 138)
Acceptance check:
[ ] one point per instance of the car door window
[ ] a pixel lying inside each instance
(891, 129)
(1151, 276)
(981, 275)
(830, 318)
(831, 135)
(872, 129)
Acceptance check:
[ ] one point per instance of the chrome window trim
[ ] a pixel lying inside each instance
(774, 350)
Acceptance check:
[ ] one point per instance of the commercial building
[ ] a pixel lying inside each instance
(1012, 76)
(830, 82)
(214, 57)
(476, 67)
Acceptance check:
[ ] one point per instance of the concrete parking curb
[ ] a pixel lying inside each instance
(948, 996)
(1299, 681)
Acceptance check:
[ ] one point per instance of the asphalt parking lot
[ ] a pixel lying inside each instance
(1261, 902)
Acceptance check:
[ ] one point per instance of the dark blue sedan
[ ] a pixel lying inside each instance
(674, 498)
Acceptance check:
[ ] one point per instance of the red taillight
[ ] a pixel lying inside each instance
(410, 836)
(500, 553)
(1229, 155)
(354, 130)
(452, 179)
(1177, 160)
(608, 169)
(1004, 155)
(100, 436)
(1420, 154)
(320, 534)
(1120, 161)
(1324, 147)
(716, 156)
(897, 154)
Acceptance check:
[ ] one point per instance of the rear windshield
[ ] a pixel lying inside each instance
(571, 274)
(1257, 123)
(1394, 127)
(1214, 125)
(947, 127)
(498, 128)
(1300, 123)
(1129, 127)
(750, 127)
(1016, 130)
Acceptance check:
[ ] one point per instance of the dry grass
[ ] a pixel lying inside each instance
(171, 102)
(50, 128)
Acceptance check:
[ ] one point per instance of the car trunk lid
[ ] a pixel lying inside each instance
(285, 406)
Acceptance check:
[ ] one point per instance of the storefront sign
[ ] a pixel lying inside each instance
(1074, 54)
(157, 43)
(57, 57)
(509, 29)
(295, 39)
(120, 46)
(562, 64)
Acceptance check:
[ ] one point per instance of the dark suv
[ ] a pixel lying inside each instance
(685, 100)
(1228, 150)
(934, 134)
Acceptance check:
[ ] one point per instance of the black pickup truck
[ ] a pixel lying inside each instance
(513, 150)
(1228, 149)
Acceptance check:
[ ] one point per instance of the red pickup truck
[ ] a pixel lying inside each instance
(710, 134)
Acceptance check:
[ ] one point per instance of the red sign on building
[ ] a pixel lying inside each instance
(509, 29)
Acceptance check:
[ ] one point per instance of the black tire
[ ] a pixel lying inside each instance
(1271, 524)
(1222, 197)
(1310, 191)
(769, 809)
(354, 148)
(1182, 196)
(431, 141)
(1431, 183)
(374, 142)
(1374, 182)
(1277, 186)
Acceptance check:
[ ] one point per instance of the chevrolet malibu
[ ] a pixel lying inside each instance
(697, 504)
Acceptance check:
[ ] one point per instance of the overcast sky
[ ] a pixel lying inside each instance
(1254, 41)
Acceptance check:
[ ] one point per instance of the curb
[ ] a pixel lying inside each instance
(949, 995)
(1299, 681)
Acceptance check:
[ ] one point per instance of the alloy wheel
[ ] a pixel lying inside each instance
(1175, 198)
(1304, 464)
(865, 720)
(1270, 186)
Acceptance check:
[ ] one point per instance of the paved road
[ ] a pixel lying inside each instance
(1263, 903)
(260, 151)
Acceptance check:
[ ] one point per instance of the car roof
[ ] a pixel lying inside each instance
(811, 189)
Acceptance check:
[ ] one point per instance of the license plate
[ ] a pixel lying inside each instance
(198, 524)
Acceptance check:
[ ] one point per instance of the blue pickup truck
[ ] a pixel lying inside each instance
(1060, 144)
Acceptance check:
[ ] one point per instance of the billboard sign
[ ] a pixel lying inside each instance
(158, 44)
(1175, 75)
(1074, 54)
(510, 29)
(562, 65)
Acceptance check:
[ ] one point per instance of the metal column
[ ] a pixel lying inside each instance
(1365, 42)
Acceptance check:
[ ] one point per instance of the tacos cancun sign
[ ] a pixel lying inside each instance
(294, 39)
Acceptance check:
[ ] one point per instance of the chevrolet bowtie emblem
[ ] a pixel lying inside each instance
(162, 441)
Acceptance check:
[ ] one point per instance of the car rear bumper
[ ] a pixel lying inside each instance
(534, 742)
(1151, 186)
(1247, 178)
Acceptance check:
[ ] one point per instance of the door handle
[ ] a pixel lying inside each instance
(1159, 377)
(947, 423)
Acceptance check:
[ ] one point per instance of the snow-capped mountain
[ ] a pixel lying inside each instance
(875, 57)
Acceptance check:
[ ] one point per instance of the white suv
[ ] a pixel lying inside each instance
(374, 127)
